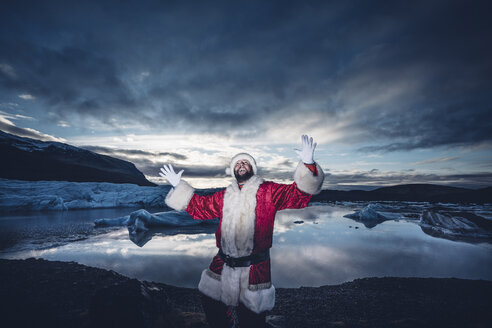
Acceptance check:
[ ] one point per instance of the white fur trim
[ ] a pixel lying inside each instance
(209, 285)
(237, 234)
(259, 300)
(179, 197)
(307, 181)
(238, 218)
(237, 157)
(233, 281)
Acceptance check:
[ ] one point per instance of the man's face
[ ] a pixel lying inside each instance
(243, 170)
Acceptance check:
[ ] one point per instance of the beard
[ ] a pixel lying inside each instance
(244, 177)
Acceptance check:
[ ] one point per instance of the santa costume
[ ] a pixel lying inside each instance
(240, 272)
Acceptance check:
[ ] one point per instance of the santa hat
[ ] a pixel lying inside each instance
(241, 156)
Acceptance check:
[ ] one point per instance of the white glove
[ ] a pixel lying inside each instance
(172, 177)
(307, 152)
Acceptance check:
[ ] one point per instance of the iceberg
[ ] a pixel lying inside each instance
(17, 195)
(464, 226)
(143, 220)
(368, 215)
(142, 225)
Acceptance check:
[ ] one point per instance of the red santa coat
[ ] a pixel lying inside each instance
(245, 227)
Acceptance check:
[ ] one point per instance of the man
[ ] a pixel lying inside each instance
(239, 276)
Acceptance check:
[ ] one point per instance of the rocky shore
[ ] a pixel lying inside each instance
(39, 293)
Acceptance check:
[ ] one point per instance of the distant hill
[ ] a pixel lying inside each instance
(410, 192)
(34, 160)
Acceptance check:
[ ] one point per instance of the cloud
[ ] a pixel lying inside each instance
(26, 97)
(9, 116)
(8, 70)
(63, 124)
(132, 152)
(151, 169)
(385, 76)
(372, 179)
(6, 125)
(437, 160)
(9, 106)
(79, 82)
(149, 162)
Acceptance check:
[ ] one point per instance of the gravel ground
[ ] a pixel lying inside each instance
(42, 293)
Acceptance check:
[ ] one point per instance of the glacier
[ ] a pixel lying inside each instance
(18, 195)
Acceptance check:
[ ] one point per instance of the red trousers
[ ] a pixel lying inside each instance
(220, 315)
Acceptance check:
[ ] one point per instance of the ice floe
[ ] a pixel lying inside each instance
(142, 220)
(142, 225)
(470, 223)
(369, 215)
(463, 226)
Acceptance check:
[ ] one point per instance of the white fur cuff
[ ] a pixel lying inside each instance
(307, 181)
(210, 286)
(179, 197)
(259, 300)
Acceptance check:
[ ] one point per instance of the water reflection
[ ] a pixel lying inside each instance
(142, 237)
(333, 253)
(45, 229)
(325, 249)
(172, 259)
(470, 223)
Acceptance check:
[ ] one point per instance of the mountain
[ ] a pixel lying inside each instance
(410, 192)
(34, 160)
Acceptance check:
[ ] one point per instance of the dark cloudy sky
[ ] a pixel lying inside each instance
(393, 91)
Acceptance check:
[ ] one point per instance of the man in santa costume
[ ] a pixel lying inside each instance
(237, 285)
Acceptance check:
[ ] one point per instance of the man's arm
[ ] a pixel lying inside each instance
(182, 197)
(179, 196)
(308, 175)
(206, 207)
(297, 195)
(199, 207)
(308, 179)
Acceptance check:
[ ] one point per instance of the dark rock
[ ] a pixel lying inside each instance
(123, 304)
(39, 293)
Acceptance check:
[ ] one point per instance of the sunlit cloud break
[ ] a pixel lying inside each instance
(404, 83)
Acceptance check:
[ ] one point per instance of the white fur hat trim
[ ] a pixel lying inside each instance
(240, 156)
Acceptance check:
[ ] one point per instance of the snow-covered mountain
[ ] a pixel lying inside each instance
(35, 160)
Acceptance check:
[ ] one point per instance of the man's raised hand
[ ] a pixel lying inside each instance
(307, 152)
(172, 177)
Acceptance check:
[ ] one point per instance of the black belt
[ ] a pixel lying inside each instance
(244, 261)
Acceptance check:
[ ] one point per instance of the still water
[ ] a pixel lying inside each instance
(312, 247)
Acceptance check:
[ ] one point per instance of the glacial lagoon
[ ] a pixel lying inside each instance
(312, 247)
